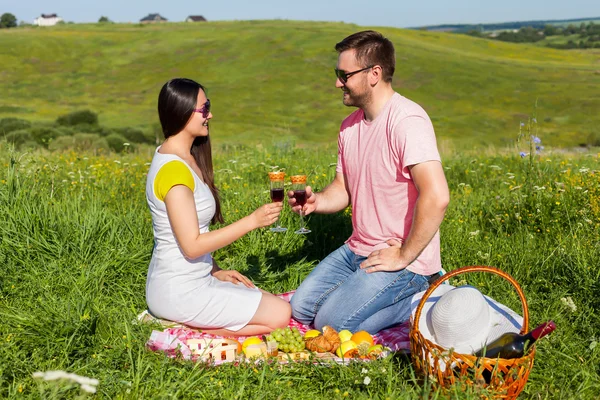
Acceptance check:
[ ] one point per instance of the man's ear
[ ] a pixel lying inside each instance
(375, 75)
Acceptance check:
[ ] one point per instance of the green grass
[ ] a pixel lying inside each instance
(273, 79)
(76, 241)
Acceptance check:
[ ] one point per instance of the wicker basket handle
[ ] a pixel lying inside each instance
(464, 270)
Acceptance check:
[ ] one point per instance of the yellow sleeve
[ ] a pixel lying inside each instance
(171, 174)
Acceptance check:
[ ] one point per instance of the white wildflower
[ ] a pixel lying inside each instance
(568, 301)
(87, 384)
(232, 161)
(126, 144)
(367, 380)
(474, 233)
(364, 371)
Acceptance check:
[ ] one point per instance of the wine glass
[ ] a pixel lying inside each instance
(299, 188)
(277, 194)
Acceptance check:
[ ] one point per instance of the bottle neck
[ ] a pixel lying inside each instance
(542, 330)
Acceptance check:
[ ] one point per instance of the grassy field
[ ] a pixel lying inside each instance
(76, 240)
(274, 79)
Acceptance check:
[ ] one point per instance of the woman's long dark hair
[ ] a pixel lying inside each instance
(176, 102)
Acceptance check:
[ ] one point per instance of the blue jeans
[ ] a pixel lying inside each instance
(339, 294)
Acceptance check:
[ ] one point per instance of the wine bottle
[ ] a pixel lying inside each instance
(514, 345)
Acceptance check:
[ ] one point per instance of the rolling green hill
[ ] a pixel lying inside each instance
(274, 79)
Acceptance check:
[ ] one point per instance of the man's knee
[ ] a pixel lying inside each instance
(301, 308)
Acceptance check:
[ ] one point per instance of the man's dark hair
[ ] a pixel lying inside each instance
(372, 48)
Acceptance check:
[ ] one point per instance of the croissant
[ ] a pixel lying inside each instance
(332, 337)
(329, 341)
(318, 344)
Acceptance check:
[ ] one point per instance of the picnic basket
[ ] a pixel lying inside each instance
(501, 378)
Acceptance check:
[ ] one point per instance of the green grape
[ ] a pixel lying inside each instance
(288, 339)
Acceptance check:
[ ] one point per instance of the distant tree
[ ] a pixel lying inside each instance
(104, 20)
(7, 20)
(83, 117)
(474, 32)
(570, 30)
(550, 30)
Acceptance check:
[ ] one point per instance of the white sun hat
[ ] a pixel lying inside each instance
(463, 319)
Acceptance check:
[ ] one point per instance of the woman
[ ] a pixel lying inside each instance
(184, 283)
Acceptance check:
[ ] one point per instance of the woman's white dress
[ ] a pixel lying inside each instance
(183, 290)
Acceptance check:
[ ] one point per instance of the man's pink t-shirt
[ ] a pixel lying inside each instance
(374, 158)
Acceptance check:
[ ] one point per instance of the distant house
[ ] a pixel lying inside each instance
(152, 18)
(195, 18)
(47, 20)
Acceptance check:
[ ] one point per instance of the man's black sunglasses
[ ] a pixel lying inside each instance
(344, 76)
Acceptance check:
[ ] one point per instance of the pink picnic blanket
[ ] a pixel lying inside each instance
(172, 341)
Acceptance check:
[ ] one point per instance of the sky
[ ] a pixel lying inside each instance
(392, 13)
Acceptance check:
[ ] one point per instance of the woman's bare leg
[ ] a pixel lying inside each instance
(272, 313)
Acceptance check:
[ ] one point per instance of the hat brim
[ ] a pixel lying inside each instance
(502, 320)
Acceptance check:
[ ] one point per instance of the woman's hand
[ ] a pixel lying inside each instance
(267, 214)
(232, 276)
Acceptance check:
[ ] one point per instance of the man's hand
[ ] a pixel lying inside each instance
(390, 259)
(232, 276)
(311, 202)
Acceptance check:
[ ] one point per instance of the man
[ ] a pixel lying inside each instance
(389, 169)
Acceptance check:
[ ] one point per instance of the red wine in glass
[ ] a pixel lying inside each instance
(299, 188)
(300, 196)
(277, 195)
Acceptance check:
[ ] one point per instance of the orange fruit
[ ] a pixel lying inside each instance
(239, 345)
(362, 336)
